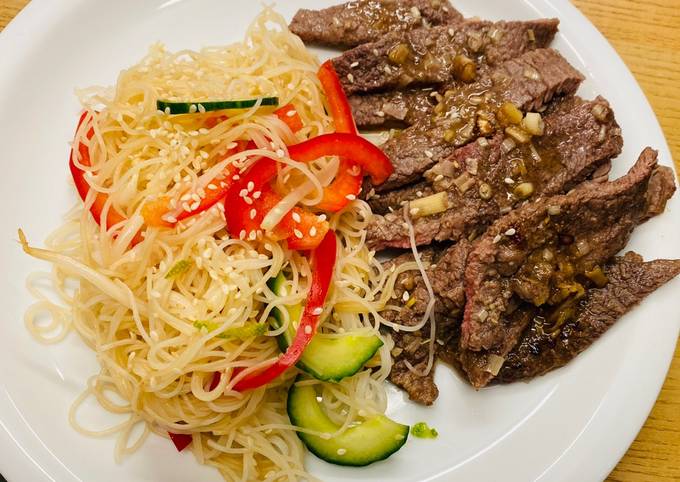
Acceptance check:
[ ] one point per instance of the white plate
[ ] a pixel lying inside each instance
(573, 424)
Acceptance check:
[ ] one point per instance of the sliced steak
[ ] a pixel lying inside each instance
(438, 54)
(542, 348)
(486, 179)
(393, 109)
(392, 201)
(361, 21)
(445, 272)
(473, 111)
(534, 255)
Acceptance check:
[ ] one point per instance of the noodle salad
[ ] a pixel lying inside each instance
(219, 253)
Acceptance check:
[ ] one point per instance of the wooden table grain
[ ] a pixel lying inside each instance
(646, 33)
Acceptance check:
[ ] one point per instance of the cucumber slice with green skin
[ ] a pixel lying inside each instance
(375, 439)
(327, 358)
(172, 107)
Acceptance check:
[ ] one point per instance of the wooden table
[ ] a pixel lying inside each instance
(647, 35)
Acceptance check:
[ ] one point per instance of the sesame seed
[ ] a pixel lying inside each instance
(251, 186)
(242, 234)
(317, 311)
(235, 177)
(186, 197)
(342, 451)
(257, 194)
(351, 197)
(350, 77)
(354, 64)
(312, 231)
(375, 52)
(212, 187)
(509, 180)
(308, 330)
(243, 193)
(253, 213)
(387, 69)
(195, 197)
(296, 217)
(252, 236)
(201, 109)
(298, 233)
(419, 193)
(185, 206)
(247, 200)
(192, 109)
(429, 154)
(195, 205)
(510, 232)
(451, 32)
(290, 113)
(496, 239)
(321, 217)
(439, 177)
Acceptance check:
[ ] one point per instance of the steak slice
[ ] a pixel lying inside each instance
(533, 256)
(630, 280)
(361, 21)
(398, 108)
(485, 180)
(465, 114)
(428, 56)
(445, 272)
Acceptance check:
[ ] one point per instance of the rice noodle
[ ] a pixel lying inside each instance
(157, 359)
(429, 310)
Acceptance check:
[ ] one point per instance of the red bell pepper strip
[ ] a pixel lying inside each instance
(289, 115)
(181, 440)
(345, 186)
(307, 233)
(155, 212)
(249, 199)
(322, 262)
(83, 187)
(347, 181)
(339, 107)
(252, 197)
(352, 146)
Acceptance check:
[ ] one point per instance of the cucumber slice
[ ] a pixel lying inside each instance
(375, 439)
(328, 358)
(172, 107)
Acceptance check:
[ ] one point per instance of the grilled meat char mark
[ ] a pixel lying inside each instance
(630, 280)
(485, 180)
(445, 270)
(534, 256)
(438, 54)
(361, 21)
(529, 82)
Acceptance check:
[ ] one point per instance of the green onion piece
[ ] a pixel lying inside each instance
(180, 267)
(249, 330)
(422, 430)
(173, 107)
